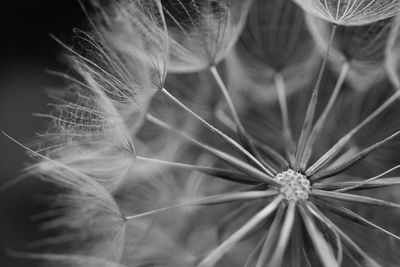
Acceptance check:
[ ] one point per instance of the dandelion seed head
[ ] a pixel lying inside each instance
(360, 44)
(294, 185)
(149, 184)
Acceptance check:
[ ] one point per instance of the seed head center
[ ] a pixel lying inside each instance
(294, 185)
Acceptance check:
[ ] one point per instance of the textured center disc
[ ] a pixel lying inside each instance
(294, 185)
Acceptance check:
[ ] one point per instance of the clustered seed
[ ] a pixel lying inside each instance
(294, 185)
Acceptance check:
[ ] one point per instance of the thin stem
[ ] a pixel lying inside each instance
(227, 97)
(372, 179)
(284, 235)
(353, 160)
(212, 259)
(325, 220)
(243, 135)
(335, 149)
(210, 200)
(306, 258)
(305, 132)
(234, 162)
(272, 154)
(215, 172)
(350, 152)
(339, 245)
(356, 218)
(226, 138)
(273, 236)
(381, 182)
(354, 198)
(287, 130)
(316, 131)
(322, 247)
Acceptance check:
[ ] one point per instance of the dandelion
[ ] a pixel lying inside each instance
(294, 189)
(171, 177)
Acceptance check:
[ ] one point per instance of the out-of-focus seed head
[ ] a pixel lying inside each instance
(351, 12)
(191, 201)
(363, 47)
(365, 44)
(275, 40)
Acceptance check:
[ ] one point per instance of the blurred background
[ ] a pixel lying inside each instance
(26, 51)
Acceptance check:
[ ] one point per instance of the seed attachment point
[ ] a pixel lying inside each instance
(294, 185)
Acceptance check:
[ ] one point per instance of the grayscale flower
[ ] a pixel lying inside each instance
(160, 167)
(283, 199)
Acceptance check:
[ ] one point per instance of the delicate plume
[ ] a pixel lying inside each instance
(136, 29)
(193, 34)
(87, 220)
(202, 32)
(165, 170)
(351, 12)
(95, 119)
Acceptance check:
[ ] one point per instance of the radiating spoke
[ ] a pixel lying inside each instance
(349, 186)
(354, 198)
(322, 247)
(212, 259)
(246, 140)
(305, 131)
(287, 130)
(284, 235)
(334, 150)
(234, 162)
(224, 174)
(322, 119)
(352, 245)
(272, 238)
(266, 150)
(373, 179)
(211, 200)
(353, 160)
(226, 138)
(354, 217)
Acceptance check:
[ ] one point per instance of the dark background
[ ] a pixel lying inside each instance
(26, 50)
